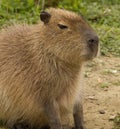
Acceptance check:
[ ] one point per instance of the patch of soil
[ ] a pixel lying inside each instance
(102, 92)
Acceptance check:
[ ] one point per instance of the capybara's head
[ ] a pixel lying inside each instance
(68, 36)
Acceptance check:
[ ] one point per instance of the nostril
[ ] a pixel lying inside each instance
(93, 41)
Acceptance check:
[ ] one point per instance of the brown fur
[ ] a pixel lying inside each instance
(41, 63)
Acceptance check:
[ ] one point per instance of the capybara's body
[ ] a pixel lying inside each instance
(41, 67)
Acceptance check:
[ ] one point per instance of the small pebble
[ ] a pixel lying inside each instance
(106, 89)
(111, 118)
(92, 98)
(114, 71)
(102, 112)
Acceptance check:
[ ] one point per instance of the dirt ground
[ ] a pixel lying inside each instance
(102, 92)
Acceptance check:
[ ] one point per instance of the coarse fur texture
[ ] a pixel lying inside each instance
(43, 63)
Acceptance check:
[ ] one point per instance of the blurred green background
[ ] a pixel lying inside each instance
(103, 15)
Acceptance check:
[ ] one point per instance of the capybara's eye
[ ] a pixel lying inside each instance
(62, 26)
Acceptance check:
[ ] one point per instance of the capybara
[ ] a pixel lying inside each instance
(41, 70)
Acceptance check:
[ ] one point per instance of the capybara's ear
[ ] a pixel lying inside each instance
(45, 16)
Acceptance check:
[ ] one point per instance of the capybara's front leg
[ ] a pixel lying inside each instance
(52, 112)
(78, 116)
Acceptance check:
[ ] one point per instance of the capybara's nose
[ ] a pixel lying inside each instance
(93, 41)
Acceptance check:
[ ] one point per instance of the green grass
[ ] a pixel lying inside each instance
(103, 15)
(117, 122)
(13, 11)
(104, 85)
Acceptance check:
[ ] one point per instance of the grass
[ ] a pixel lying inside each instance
(103, 15)
(104, 85)
(117, 121)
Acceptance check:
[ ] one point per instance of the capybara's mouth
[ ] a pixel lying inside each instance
(94, 52)
(91, 54)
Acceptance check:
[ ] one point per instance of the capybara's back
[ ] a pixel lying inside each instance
(41, 67)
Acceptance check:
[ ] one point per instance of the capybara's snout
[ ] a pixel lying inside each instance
(92, 42)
